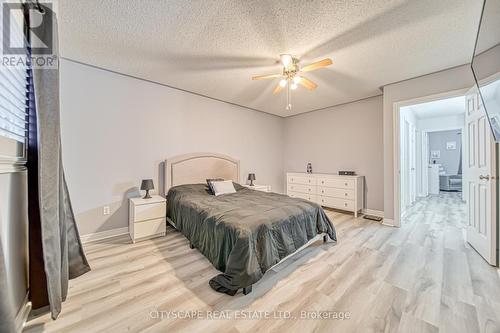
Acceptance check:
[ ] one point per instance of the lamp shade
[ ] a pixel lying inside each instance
(251, 176)
(147, 184)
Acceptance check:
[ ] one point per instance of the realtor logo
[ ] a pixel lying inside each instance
(41, 35)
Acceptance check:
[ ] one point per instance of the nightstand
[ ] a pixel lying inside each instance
(262, 188)
(147, 217)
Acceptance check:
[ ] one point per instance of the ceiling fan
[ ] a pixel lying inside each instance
(291, 76)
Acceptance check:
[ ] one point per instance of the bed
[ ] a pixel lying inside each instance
(243, 234)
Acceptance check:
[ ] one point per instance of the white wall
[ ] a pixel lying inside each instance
(441, 123)
(432, 84)
(346, 137)
(116, 130)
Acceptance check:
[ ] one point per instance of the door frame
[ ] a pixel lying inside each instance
(396, 142)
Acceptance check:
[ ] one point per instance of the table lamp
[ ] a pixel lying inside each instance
(146, 185)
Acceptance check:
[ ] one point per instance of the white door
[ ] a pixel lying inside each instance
(425, 164)
(413, 164)
(479, 180)
(405, 167)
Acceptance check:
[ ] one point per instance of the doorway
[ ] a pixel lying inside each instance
(431, 156)
(446, 162)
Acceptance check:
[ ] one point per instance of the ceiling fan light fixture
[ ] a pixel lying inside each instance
(286, 60)
(290, 76)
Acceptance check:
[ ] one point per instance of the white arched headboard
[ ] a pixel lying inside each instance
(196, 168)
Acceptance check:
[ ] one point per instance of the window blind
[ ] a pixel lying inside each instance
(14, 99)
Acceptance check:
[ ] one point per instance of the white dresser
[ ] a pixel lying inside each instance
(334, 191)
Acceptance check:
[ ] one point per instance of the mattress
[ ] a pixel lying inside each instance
(243, 234)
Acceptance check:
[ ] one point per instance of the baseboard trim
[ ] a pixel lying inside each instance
(22, 314)
(388, 222)
(374, 212)
(97, 236)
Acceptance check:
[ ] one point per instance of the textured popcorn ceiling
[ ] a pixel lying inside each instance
(213, 47)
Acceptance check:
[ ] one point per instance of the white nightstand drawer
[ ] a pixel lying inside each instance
(149, 228)
(301, 188)
(338, 183)
(149, 211)
(336, 203)
(305, 180)
(336, 192)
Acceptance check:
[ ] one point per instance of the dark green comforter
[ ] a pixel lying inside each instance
(245, 233)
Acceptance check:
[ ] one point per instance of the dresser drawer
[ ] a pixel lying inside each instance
(149, 228)
(336, 182)
(336, 192)
(336, 203)
(304, 180)
(301, 188)
(310, 197)
(149, 211)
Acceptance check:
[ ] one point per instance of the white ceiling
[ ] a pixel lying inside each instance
(444, 107)
(213, 47)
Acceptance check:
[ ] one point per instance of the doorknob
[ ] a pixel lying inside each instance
(484, 177)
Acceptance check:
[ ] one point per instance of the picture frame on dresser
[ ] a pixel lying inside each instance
(328, 190)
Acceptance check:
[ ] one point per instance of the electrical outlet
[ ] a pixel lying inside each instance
(106, 210)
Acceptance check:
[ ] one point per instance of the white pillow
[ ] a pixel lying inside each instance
(223, 187)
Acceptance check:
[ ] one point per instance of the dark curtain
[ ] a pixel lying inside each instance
(56, 253)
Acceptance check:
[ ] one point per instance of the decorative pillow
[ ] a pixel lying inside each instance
(223, 187)
(209, 183)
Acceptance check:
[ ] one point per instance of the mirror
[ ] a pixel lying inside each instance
(486, 63)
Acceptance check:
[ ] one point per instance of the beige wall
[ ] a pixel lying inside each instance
(346, 137)
(432, 84)
(116, 130)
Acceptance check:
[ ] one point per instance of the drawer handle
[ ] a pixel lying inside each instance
(322, 200)
(345, 204)
(322, 182)
(322, 191)
(309, 189)
(309, 180)
(345, 194)
(345, 184)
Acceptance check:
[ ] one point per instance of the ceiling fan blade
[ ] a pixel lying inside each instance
(262, 77)
(277, 89)
(308, 83)
(317, 65)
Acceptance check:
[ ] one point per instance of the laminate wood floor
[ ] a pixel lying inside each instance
(422, 277)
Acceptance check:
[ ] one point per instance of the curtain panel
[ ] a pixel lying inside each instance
(51, 214)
